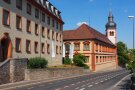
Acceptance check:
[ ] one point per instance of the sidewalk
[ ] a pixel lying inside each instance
(124, 84)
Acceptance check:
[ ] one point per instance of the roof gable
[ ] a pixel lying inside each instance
(85, 32)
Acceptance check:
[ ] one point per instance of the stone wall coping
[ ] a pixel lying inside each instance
(3, 63)
(58, 68)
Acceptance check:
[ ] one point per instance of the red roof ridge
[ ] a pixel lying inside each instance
(85, 32)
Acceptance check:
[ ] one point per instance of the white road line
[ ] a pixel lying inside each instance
(101, 81)
(97, 83)
(58, 89)
(66, 86)
(90, 85)
(77, 88)
(82, 89)
(30, 88)
(121, 80)
(72, 84)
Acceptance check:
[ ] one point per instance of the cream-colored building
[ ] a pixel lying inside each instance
(30, 28)
(100, 49)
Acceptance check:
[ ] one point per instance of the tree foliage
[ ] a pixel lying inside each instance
(67, 61)
(123, 53)
(79, 60)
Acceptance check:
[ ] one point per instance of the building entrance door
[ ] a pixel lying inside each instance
(5, 47)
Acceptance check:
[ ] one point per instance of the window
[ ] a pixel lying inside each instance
(53, 23)
(48, 33)
(60, 37)
(87, 59)
(28, 46)
(52, 35)
(77, 47)
(43, 32)
(7, 1)
(19, 4)
(57, 36)
(28, 26)
(36, 29)
(111, 33)
(60, 49)
(48, 20)
(18, 45)
(60, 27)
(48, 48)
(36, 13)
(43, 17)
(43, 48)
(96, 47)
(28, 8)
(18, 22)
(86, 47)
(96, 59)
(56, 49)
(57, 25)
(36, 47)
(6, 18)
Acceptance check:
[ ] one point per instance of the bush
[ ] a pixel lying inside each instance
(86, 66)
(79, 60)
(37, 62)
(67, 61)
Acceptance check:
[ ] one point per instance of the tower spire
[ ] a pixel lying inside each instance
(110, 22)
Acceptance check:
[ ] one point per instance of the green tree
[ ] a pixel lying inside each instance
(123, 54)
(79, 60)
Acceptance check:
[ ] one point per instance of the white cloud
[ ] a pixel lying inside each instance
(80, 23)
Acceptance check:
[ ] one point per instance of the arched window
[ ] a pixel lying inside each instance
(111, 33)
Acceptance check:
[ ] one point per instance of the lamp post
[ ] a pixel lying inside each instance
(132, 17)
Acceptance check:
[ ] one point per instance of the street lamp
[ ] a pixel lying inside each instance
(132, 17)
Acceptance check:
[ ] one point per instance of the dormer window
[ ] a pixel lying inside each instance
(36, 13)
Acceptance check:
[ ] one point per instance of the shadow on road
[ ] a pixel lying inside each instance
(126, 86)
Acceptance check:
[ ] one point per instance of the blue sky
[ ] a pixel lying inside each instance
(96, 12)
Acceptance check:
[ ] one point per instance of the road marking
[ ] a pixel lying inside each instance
(90, 85)
(97, 83)
(58, 89)
(77, 88)
(101, 81)
(82, 89)
(121, 80)
(66, 86)
(72, 84)
(30, 88)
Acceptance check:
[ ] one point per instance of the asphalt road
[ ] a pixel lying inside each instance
(98, 81)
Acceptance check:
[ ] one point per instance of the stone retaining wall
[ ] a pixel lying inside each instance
(37, 74)
(13, 70)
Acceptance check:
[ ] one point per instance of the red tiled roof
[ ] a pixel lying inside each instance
(85, 32)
